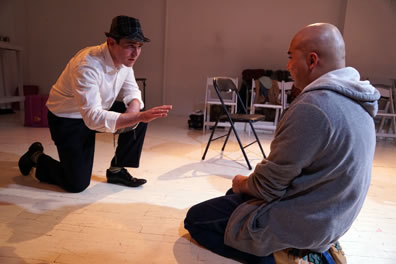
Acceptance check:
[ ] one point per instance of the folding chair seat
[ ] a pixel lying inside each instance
(224, 86)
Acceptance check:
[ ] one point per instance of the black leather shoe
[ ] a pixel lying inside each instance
(123, 177)
(26, 163)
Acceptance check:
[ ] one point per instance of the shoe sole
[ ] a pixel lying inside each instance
(123, 183)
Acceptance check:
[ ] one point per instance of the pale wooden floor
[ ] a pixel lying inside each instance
(113, 224)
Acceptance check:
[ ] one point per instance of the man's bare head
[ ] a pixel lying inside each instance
(315, 50)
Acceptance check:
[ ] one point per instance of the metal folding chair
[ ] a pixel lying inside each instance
(223, 86)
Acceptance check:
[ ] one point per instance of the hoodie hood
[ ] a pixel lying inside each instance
(346, 81)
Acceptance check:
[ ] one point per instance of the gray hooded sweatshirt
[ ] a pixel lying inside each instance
(313, 184)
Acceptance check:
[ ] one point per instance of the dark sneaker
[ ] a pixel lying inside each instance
(26, 163)
(123, 177)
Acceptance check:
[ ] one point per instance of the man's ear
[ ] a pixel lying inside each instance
(313, 60)
(111, 41)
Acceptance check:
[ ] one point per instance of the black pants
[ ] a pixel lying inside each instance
(206, 222)
(76, 146)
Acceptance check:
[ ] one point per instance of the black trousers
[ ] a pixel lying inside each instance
(76, 146)
(206, 222)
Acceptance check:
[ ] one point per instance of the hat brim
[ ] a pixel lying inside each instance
(135, 37)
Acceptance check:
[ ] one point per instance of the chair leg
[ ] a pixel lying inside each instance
(276, 117)
(393, 124)
(393, 119)
(240, 145)
(226, 140)
(210, 140)
(381, 125)
(257, 139)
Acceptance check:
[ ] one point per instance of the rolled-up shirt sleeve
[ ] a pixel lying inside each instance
(130, 89)
(86, 84)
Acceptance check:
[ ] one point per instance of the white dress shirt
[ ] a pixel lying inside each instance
(88, 87)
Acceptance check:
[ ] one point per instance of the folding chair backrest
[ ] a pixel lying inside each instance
(226, 85)
(286, 86)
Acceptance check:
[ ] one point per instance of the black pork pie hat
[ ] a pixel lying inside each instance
(126, 27)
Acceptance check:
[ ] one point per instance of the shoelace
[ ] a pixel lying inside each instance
(127, 175)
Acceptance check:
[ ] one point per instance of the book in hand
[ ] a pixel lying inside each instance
(126, 129)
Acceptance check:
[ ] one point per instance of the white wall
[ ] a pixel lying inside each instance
(223, 37)
(370, 37)
(58, 29)
(195, 39)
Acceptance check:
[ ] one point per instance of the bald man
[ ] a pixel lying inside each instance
(307, 193)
